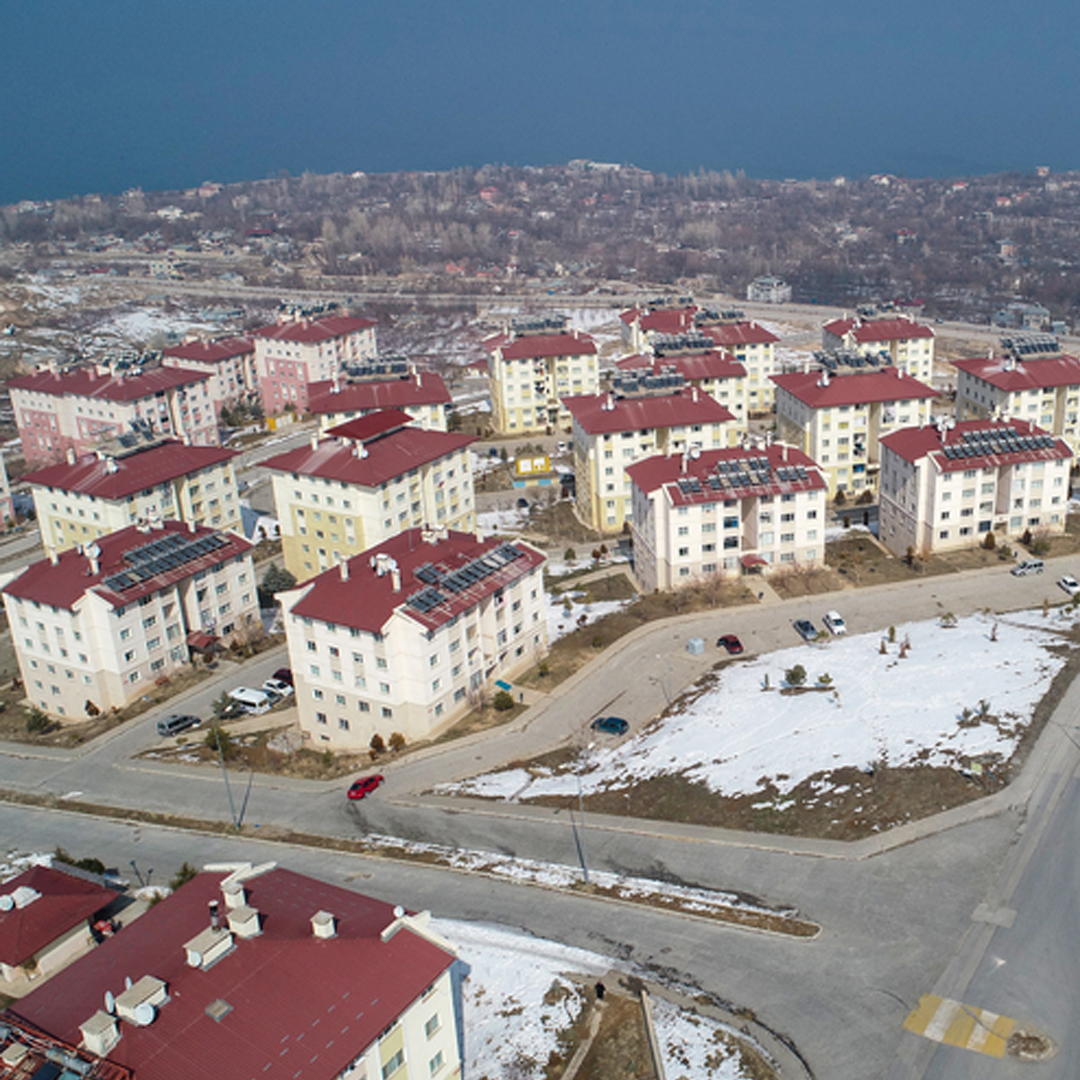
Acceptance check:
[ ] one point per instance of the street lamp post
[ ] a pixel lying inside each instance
(582, 854)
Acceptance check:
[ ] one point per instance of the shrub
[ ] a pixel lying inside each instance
(91, 709)
(38, 721)
(795, 676)
(327, 759)
(377, 745)
(892, 634)
(597, 641)
(90, 864)
(1026, 538)
(219, 741)
(1040, 546)
(397, 740)
(841, 498)
(183, 875)
(569, 555)
(275, 580)
(989, 541)
(824, 679)
(503, 700)
(948, 620)
(544, 668)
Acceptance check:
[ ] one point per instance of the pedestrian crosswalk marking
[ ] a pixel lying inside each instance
(955, 1024)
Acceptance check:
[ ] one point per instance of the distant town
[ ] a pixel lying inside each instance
(595, 502)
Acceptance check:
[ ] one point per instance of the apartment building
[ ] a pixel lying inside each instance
(78, 408)
(768, 289)
(712, 371)
(909, 345)
(611, 432)
(406, 637)
(945, 486)
(229, 361)
(1033, 381)
(752, 346)
(249, 972)
(85, 498)
(667, 316)
(532, 365)
(307, 345)
(727, 512)
(361, 389)
(364, 482)
(838, 422)
(99, 623)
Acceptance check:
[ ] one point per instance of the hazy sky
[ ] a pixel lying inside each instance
(109, 94)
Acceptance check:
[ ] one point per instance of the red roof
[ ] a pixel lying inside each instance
(1024, 374)
(86, 382)
(371, 424)
(860, 389)
(535, 346)
(879, 329)
(211, 352)
(915, 443)
(134, 472)
(669, 410)
(731, 335)
(663, 320)
(714, 364)
(424, 388)
(387, 456)
(62, 584)
(65, 901)
(295, 1007)
(663, 471)
(366, 601)
(309, 330)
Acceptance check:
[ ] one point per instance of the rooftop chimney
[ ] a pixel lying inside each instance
(244, 921)
(53, 557)
(234, 894)
(323, 925)
(215, 922)
(70, 455)
(343, 566)
(315, 442)
(395, 578)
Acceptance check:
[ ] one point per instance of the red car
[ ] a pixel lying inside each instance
(731, 643)
(365, 785)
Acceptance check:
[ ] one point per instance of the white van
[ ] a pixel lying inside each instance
(255, 702)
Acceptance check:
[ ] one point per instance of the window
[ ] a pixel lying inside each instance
(387, 713)
(342, 723)
(320, 718)
(129, 656)
(393, 1064)
(432, 1025)
(436, 1063)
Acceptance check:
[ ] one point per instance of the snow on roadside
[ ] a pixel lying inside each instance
(877, 707)
(562, 621)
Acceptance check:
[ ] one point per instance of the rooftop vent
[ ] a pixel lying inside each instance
(100, 1033)
(244, 922)
(138, 1004)
(234, 894)
(205, 949)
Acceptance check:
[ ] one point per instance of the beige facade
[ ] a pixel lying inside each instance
(726, 512)
(332, 503)
(909, 345)
(611, 433)
(528, 374)
(838, 423)
(230, 363)
(369, 656)
(82, 500)
(79, 640)
(934, 501)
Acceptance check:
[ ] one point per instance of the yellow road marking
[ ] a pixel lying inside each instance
(955, 1024)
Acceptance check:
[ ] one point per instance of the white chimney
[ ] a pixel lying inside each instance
(395, 578)
(323, 925)
(234, 894)
(244, 922)
(110, 465)
(70, 455)
(100, 1033)
(53, 557)
(315, 442)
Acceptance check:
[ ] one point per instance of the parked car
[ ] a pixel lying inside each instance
(365, 785)
(1069, 584)
(284, 674)
(834, 623)
(731, 643)
(255, 702)
(613, 725)
(277, 686)
(805, 629)
(1028, 566)
(173, 725)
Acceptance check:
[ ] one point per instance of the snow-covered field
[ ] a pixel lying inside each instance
(742, 732)
(566, 610)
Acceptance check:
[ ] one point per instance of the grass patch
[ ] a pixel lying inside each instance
(561, 525)
(807, 581)
(484, 718)
(615, 586)
(620, 1047)
(860, 560)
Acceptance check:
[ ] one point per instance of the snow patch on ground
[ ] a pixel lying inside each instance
(743, 732)
(562, 621)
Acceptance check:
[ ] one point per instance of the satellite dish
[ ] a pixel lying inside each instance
(398, 911)
(6, 903)
(110, 1002)
(144, 1014)
(127, 982)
